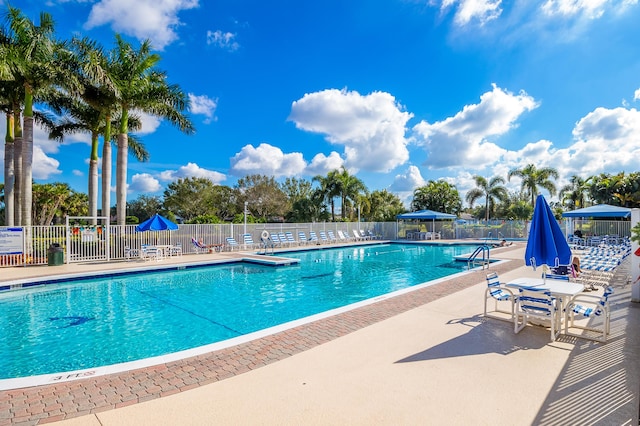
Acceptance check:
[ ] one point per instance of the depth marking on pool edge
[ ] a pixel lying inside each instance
(72, 376)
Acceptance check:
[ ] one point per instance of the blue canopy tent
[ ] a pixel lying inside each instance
(600, 210)
(426, 215)
(546, 244)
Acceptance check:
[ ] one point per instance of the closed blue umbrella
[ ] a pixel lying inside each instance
(157, 223)
(547, 245)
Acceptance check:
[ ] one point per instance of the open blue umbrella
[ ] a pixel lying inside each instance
(547, 245)
(157, 223)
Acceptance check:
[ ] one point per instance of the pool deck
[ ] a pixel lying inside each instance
(424, 357)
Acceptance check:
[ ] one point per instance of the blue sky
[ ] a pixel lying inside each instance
(398, 91)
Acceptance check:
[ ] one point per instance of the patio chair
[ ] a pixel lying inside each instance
(537, 304)
(357, 235)
(496, 291)
(283, 239)
(589, 307)
(343, 237)
(323, 237)
(153, 253)
(313, 237)
(176, 250)
(205, 248)
(276, 240)
(302, 238)
(332, 237)
(248, 241)
(232, 244)
(129, 253)
(292, 241)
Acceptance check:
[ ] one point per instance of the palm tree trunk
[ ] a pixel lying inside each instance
(93, 179)
(121, 178)
(9, 175)
(106, 168)
(17, 169)
(27, 160)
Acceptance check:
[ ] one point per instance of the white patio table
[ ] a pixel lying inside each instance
(562, 289)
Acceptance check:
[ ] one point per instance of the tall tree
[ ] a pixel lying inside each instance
(533, 178)
(384, 206)
(489, 189)
(36, 64)
(439, 196)
(141, 87)
(350, 189)
(329, 189)
(573, 194)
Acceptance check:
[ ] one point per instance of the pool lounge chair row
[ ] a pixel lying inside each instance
(287, 239)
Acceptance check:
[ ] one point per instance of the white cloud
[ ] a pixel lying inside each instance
(142, 19)
(203, 105)
(150, 123)
(409, 181)
(223, 40)
(44, 167)
(268, 160)
(191, 170)
(321, 164)
(371, 127)
(591, 9)
(636, 95)
(77, 172)
(143, 182)
(481, 11)
(462, 140)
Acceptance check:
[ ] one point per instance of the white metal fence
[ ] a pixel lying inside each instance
(102, 242)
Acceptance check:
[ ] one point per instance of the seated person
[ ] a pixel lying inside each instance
(578, 233)
(575, 264)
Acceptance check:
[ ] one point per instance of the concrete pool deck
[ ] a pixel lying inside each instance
(423, 357)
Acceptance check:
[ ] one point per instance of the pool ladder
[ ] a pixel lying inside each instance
(474, 260)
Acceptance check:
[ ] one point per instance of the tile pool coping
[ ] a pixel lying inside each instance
(54, 402)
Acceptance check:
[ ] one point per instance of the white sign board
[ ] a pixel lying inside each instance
(11, 240)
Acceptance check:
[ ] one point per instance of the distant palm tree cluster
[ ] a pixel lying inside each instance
(618, 190)
(82, 88)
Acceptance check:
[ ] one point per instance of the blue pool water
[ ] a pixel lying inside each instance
(104, 321)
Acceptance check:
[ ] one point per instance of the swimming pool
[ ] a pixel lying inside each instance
(103, 321)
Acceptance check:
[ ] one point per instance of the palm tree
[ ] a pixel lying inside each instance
(142, 88)
(82, 118)
(96, 70)
(350, 188)
(573, 195)
(328, 189)
(532, 178)
(489, 189)
(35, 65)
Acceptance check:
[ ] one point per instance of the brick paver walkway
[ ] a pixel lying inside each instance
(50, 403)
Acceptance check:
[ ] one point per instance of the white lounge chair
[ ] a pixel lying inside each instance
(248, 241)
(302, 238)
(313, 238)
(232, 244)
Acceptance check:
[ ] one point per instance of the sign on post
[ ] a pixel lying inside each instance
(11, 241)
